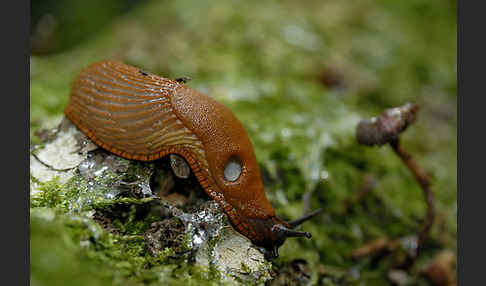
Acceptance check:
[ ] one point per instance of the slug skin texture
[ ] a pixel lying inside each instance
(141, 116)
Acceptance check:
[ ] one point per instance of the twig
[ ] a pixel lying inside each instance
(49, 166)
(424, 181)
(385, 129)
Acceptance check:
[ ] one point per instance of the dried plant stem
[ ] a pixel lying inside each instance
(386, 128)
(49, 166)
(424, 181)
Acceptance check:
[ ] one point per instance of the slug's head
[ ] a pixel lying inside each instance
(233, 178)
(272, 232)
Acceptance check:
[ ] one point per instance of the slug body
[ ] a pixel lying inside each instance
(142, 116)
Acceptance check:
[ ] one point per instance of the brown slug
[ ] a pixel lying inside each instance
(142, 116)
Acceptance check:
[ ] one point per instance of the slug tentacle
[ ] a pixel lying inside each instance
(304, 218)
(141, 116)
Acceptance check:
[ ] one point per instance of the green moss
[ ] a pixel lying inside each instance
(51, 194)
(211, 244)
(60, 241)
(247, 276)
(57, 259)
(128, 217)
(121, 256)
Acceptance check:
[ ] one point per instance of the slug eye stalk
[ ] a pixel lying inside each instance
(286, 232)
(304, 218)
(282, 232)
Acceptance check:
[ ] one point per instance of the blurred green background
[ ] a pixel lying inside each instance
(299, 75)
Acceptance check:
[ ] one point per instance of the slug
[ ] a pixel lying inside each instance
(141, 116)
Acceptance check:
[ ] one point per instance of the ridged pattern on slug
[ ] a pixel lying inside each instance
(142, 116)
(128, 113)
